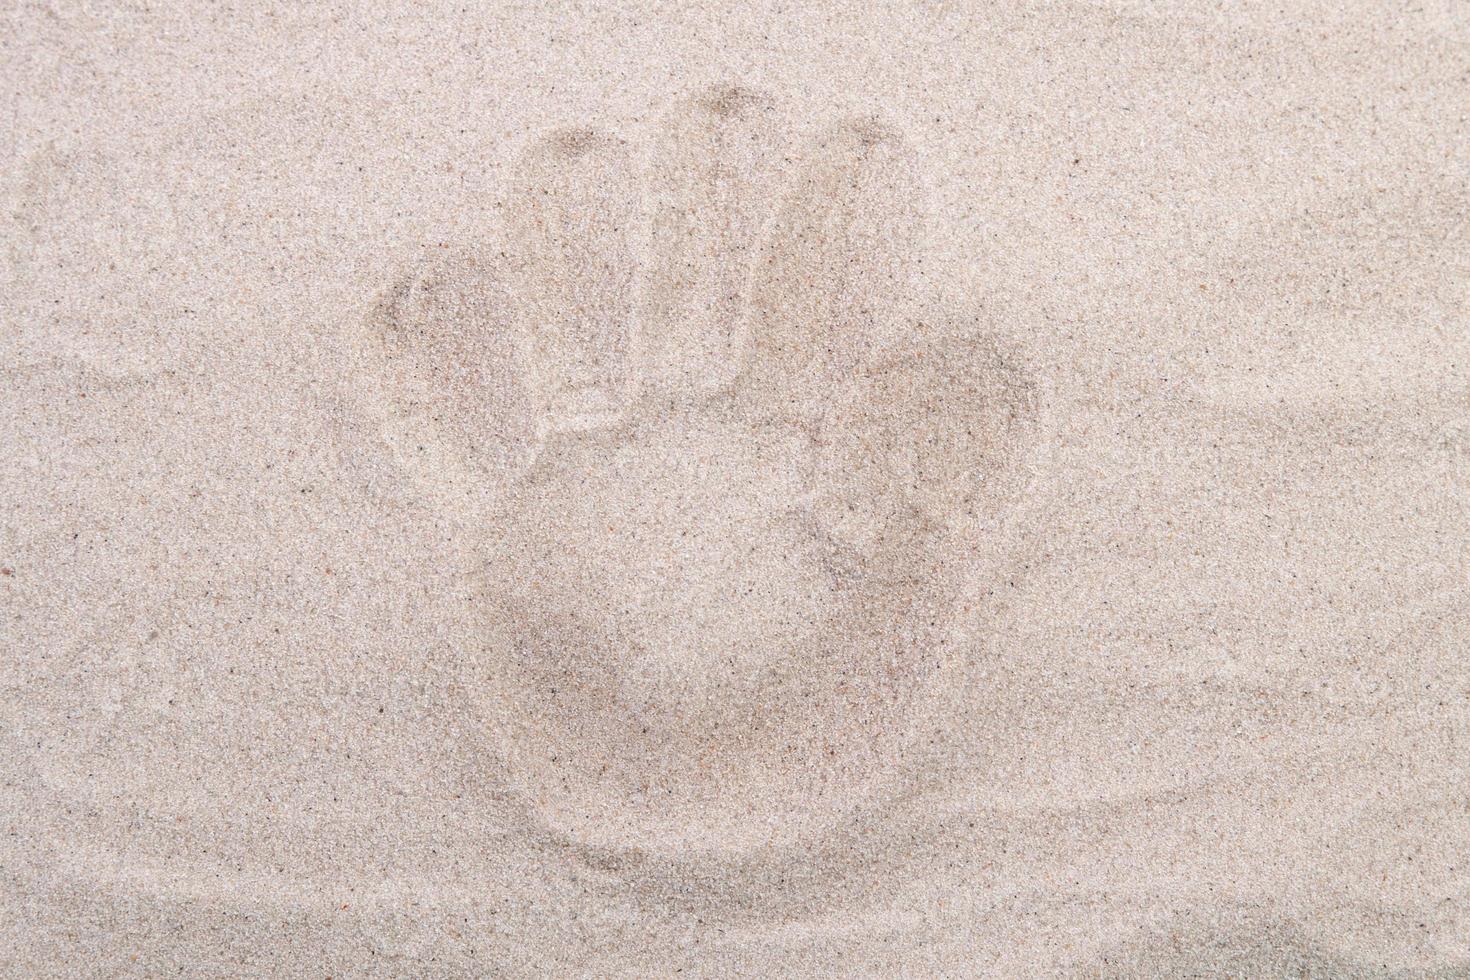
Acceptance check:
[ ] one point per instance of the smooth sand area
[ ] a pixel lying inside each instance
(583, 490)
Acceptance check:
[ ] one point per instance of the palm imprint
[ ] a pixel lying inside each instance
(742, 491)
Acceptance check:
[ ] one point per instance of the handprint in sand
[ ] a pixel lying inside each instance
(742, 484)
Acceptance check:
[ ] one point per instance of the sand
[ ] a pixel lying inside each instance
(928, 490)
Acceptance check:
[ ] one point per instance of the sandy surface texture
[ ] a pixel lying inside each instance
(735, 490)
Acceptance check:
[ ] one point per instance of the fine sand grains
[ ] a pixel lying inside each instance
(734, 490)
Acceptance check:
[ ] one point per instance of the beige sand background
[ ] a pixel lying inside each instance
(1220, 726)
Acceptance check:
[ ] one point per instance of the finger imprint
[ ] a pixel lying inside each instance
(443, 380)
(573, 213)
(836, 278)
(711, 195)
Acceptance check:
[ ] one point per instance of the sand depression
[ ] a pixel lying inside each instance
(738, 482)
